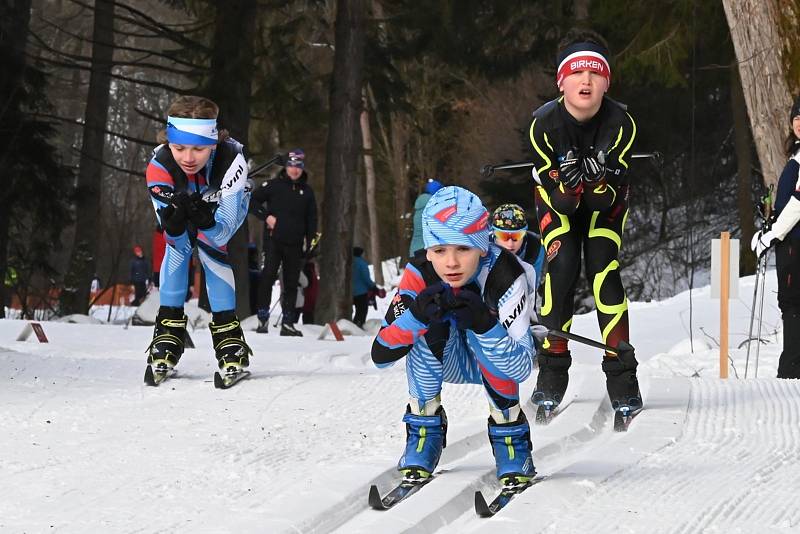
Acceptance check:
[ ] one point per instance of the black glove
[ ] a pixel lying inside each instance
(198, 211)
(173, 216)
(470, 312)
(569, 171)
(593, 168)
(427, 307)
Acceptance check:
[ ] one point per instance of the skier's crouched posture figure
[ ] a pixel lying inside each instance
(461, 316)
(197, 180)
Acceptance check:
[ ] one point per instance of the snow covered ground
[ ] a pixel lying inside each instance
(86, 447)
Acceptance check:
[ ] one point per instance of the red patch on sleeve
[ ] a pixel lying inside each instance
(394, 335)
(157, 175)
(412, 281)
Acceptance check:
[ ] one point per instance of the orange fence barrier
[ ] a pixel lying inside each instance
(122, 295)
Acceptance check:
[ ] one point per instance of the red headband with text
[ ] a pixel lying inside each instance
(583, 60)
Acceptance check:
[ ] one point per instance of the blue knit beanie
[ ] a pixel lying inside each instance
(455, 216)
(432, 186)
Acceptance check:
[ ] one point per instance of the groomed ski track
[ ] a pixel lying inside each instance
(87, 447)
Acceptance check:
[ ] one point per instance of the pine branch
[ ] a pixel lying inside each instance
(171, 57)
(79, 122)
(108, 165)
(157, 85)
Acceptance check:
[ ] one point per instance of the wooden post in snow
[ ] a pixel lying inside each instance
(724, 292)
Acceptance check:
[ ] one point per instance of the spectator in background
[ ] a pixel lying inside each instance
(290, 216)
(302, 284)
(416, 238)
(362, 285)
(159, 245)
(784, 234)
(254, 275)
(310, 293)
(96, 285)
(140, 275)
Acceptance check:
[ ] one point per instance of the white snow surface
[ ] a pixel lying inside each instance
(86, 447)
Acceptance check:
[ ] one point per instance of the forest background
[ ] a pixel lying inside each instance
(382, 95)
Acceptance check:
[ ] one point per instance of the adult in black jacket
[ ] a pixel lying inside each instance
(290, 216)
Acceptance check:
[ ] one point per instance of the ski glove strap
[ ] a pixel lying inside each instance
(763, 241)
(593, 168)
(569, 171)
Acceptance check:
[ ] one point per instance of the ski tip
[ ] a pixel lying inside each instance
(481, 508)
(149, 379)
(375, 498)
(219, 383)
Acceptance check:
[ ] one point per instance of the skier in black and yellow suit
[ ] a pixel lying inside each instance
(582, 144)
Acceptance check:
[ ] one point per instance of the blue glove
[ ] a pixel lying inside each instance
(470, 312)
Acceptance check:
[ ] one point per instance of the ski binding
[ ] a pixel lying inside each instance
(411, 483)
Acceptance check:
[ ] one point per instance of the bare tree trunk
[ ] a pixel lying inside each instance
(744, 164)
(341, 160)
(372, 210)
(754, 31)
(400, 170)
(230, 87)
(14, 31)
(75, 296)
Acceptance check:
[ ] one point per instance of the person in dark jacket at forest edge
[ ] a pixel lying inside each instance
(140, 275)
(362, 286)
(290, 216)
(784, 234)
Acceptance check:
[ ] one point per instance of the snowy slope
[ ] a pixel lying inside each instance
(86, 447)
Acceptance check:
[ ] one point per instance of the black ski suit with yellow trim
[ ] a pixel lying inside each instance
(589, 218)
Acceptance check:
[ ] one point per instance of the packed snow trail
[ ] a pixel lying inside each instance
(734, 468)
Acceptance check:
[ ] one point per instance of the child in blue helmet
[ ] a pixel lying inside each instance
(461, 315)
(510, 231)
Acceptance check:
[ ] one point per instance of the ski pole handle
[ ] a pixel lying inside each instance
(489, 169)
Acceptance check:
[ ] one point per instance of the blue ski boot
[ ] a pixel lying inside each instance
(425, 439)
(511, 445)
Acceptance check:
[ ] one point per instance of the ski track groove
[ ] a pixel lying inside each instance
(354, 506)
(718, 469)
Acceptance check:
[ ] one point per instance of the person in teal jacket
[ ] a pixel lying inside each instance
(362, 285)
(416, 238)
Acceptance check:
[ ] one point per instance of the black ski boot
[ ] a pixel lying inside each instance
(169, 338)
(232, 351)
(287, 327)
(263, 322)
(551, 384)
(789, 362)
(623, 386)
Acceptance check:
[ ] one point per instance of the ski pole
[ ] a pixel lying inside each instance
(622, 348)
(488, 170)
(277, 158)
(761, 312)
(752, 317)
